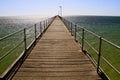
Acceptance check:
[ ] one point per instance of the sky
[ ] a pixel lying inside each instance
(51, 7)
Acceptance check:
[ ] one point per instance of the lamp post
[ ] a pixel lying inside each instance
(60, 10)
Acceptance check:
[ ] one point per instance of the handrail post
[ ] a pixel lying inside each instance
(35, 32)
(25, 39)
(71, 28)
(49, 21)
(82, 39)
(40, 28)
(44, 25)
(68, 25)
(75, 32)
(99, 54)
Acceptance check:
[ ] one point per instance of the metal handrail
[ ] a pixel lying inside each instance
(111, 65)
(92, 33)
(10, 51)
(98, 52)
(36, 33)
(112, 44)
(10, 34)
(91, 47)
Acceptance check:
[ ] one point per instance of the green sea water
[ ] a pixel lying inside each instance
(107, 27)
(11, 24)
(12, 46)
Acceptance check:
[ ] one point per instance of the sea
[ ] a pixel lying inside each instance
(106, 26)
(12, 24)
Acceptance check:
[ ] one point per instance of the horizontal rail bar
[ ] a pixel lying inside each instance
(111, 65)
(26, 36)
(10, 51)
(98, 52)
(111, 43)
(10, 34)
(92, 33)
(91, 47)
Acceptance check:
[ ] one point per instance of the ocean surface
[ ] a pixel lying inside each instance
(106, 26)
(9, 25)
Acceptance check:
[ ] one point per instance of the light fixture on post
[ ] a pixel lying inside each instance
(60, 10)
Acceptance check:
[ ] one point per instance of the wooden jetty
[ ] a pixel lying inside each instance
(57, 56)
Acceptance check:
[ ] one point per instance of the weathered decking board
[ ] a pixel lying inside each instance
(57, 56)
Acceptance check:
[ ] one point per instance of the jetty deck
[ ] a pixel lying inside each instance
(57, 56)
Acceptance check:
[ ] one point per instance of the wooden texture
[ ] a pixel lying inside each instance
(57, 56)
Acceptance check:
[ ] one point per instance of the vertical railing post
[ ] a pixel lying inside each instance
(35, 32)
(49, 21)
(40, 28)
(99, 54)
(66, 24)
(82, 39)
(75, 32)
(25, 43)
(71, 28)
(44, 25)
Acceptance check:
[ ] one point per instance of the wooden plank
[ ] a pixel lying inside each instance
(57, 56)
(60, 78)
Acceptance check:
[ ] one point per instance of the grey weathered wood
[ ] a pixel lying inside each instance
(57, 56)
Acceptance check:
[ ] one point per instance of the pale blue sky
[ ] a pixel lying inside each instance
(51, 7)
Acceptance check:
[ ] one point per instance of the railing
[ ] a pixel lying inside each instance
(104, 54)
(13, 47)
